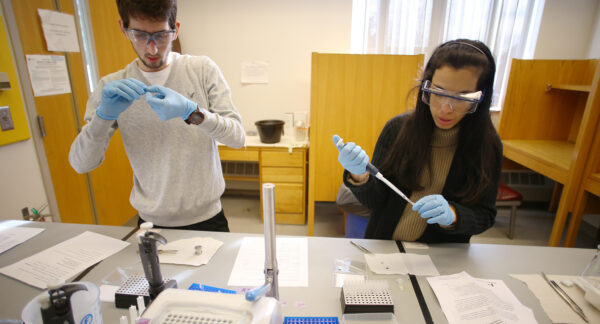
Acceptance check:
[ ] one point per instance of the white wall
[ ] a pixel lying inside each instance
(21, 181)
(594, 50)
(281, 32)
(20, 177)
(566, 29)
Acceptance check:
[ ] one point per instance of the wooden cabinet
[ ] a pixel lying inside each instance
(286, 168)
(353, 95)
(547, 123)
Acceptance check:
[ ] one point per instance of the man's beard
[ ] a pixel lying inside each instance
(156, 65)
(152, 66)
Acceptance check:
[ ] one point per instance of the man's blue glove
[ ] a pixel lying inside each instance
(352, 157)
(435, 209)
(118, 96)
(169, 103)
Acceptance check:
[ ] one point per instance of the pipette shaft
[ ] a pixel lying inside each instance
(374, 171)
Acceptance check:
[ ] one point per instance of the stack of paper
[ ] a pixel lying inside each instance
(465, 299)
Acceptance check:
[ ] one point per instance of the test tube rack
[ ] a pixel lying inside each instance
(370, 296)
(136, 286)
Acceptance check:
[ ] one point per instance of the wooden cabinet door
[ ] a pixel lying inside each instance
(112, 181)
(352, 95)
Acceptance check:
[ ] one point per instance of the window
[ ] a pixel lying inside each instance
(88, 49)
(508, 27)
(390, 26)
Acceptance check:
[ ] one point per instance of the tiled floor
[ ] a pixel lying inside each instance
(533, 225)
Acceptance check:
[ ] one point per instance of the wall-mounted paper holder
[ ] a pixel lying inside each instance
(4, 82)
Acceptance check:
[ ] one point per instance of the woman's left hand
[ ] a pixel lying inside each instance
(435, 209)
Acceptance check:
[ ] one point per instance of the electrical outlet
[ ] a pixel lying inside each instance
(6, 121)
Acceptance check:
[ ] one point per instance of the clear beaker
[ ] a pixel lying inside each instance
(300, 126)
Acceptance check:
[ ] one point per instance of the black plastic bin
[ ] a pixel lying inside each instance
(270, 130)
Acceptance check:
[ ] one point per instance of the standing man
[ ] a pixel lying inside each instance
(171, 110)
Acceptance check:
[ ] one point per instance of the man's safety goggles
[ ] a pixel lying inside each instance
(160, 38)
(462, 103)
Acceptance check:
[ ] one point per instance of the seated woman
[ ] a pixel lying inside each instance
(445, 155)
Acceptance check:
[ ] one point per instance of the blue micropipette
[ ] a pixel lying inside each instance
(373, 170)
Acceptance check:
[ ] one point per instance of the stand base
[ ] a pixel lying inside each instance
(137, 286)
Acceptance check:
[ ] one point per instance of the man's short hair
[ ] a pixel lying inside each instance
(156, 10)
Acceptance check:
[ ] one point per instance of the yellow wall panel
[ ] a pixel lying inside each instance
(11, 98)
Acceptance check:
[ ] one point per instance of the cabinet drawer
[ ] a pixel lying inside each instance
(273, 174)
(238, 155)
(290, 218)
(283, 158)
(289, 198)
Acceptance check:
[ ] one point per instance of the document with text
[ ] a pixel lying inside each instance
(465, 299)
(11, 236)
(64, 260)
(292, 260)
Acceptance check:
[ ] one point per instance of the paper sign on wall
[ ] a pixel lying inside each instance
(48, 74)
(59, 31)
(255, 72)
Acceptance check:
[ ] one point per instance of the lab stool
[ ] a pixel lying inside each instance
(508, 197)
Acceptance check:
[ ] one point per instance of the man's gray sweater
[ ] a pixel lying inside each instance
(177, 176)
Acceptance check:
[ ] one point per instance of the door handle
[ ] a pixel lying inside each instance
(41, 125)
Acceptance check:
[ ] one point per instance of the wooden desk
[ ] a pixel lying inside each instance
(547, 123)
(283, 164)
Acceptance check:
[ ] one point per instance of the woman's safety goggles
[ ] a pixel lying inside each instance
(160, 38)
(460, 102)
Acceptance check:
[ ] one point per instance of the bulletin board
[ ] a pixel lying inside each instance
(11, 97)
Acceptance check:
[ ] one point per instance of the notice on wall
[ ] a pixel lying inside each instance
(48, 74)
(59, 31)
(255, 72)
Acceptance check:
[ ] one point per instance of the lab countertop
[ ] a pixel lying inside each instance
(321, 297)
(286, 141)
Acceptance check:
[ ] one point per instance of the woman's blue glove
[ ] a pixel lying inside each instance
(118, 96)
(435, 209)
(169, 103)
(352, 157)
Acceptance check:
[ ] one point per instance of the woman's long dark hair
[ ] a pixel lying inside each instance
(476, 136)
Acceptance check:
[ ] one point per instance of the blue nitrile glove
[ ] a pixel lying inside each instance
(118, 96)
(352, 157)
(435, 209)
(169, 103)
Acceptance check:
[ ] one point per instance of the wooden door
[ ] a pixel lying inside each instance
(58, 112)
(63, 116)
